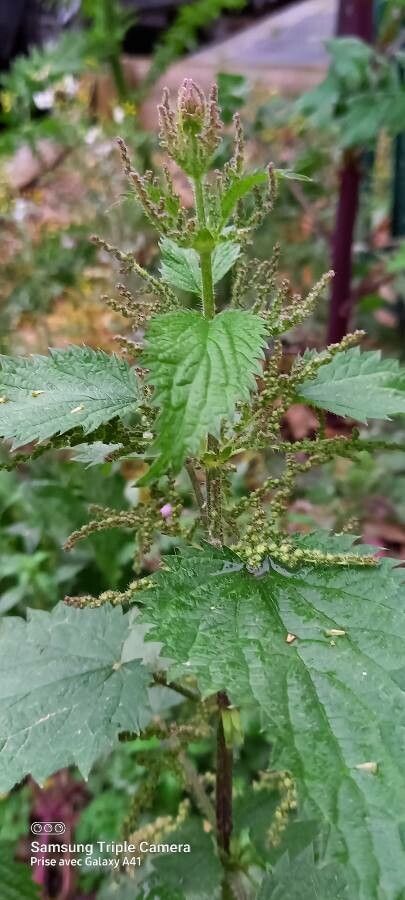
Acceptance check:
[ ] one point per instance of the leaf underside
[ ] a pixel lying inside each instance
(334, 705)
(199, 368)
(172, 876)
(15, 878)
(301, 879)
(360, 385)
(180, 266)
(66, 690)
(47, 395)
(93, 454)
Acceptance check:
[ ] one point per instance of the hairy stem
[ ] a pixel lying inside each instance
(201, 799)
(213, 480)
(208, 287)
(355, 17)
(160, 678)
(342, 247)
(223, 792)
(214, 497)
(224, 780)
(201, 500)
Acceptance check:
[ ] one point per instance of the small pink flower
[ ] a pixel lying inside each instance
(166, 511)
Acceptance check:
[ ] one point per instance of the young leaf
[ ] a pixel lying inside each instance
(244, 184)
(47, 395)
(180, 266)
(199, 368)
(15, 877)
(223, 258)
(238, 189)
(301, 879)
(66, 689)
(333, 698)
(360, 385)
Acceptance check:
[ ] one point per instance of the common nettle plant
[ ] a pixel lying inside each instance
(242, 618)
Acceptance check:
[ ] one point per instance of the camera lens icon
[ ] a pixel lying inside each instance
(48, 827)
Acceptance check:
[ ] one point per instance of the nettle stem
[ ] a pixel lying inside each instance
(224, 780)
(208, 286)
(213, 478)
(224, 760)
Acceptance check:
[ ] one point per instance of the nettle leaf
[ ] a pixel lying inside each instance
(333, 699)
(93, 454)
(301, 879)
(15, 877)
(239, 187)
(67, 688)
(122, 888)
(199, 368)
(223, 258)
(244, 184)
(253, 813)
(290, 175)
(177, 871)
(180, 266)
(360, 385)
(47, 395)
(172, 876)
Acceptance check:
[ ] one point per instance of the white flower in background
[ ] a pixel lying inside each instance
(20, 210)
(69, 85)
(93, 134)
(44, 99)
(118, 114)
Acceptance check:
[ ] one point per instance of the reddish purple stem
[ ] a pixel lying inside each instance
(342, 244)
(355, 17)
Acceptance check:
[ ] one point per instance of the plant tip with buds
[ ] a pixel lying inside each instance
(191, 106)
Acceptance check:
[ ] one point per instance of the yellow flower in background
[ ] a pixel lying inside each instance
(130, 109)
(6, 100)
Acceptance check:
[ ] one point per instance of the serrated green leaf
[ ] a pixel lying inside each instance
(243, 185)
(223, 258)
(254, 811)
(66, 690)
(334, 704)
(177, 871)
(360, 385)
(199, 368)
(301, 879)
(123, 889)
(175, 876)
(15, 878)
(47, 395)
(180, 266)
(238, 189)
